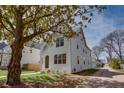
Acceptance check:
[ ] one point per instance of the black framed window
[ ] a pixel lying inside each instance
(77, 46)
(60, 41)
(60, 59)
(78, 59)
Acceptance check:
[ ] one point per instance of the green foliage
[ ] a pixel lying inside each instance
(42, 78)
(42, 21)
(115, 64)
(3, 72)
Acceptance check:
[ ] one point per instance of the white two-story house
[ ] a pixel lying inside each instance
(67, 55)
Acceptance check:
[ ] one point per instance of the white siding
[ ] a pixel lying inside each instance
(27, 57)
(70, 48)
(81, 52)
(53, 50)
(30, 55)
(5, 60)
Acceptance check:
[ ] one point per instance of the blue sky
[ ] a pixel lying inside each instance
(102, 24)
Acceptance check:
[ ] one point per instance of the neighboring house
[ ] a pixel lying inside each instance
(2, 46)
(67, 55)
(5, 59)
(29, 56)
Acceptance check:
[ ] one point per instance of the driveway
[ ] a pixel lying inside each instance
(104, 78)
(109, 73)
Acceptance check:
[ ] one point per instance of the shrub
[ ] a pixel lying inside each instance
(115, 64)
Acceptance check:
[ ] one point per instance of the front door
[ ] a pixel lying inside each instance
(47, 61)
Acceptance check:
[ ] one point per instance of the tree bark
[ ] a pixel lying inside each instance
(14, 67)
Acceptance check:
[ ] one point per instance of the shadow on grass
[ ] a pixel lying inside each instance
(88, 72)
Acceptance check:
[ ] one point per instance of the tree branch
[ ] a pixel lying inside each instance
(7, 28)
(7, 21)
(33, 19)
(41, 31)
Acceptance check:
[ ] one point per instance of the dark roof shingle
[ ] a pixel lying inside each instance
(3, 45)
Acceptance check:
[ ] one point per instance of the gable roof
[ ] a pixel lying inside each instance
(3, 45)
(80, 30)
(84, 38)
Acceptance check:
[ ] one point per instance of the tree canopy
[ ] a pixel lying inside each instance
(38, 21)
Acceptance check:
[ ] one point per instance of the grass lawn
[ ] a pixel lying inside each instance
(4, 72)
(37, 79)
(88, 72)
(42, 77)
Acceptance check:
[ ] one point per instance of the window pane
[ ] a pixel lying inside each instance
(78, 59)
(55, 59)
(77, 46)
(61, 41)
(59, 59)
(57, 44)
(64, 58)
(64, 61)
(62, 44)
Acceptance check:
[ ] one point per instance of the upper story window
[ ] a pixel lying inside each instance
(78, 59)
(77, 46)
(60, 59)
(30, 50)
(60, 42)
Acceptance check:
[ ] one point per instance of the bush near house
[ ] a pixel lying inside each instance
(115, 64)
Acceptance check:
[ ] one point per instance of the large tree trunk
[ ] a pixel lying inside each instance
(14, 67)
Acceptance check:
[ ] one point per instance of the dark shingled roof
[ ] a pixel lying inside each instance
(2, 45)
